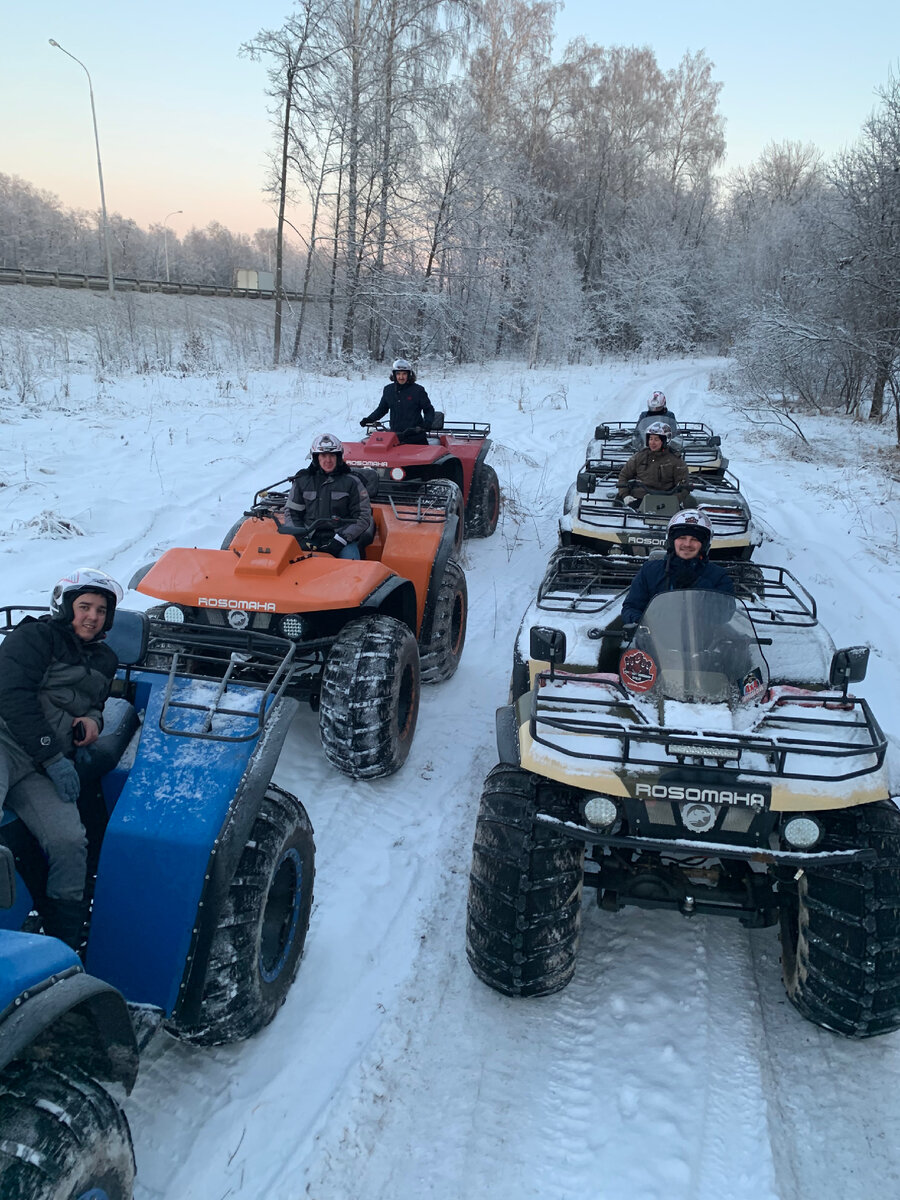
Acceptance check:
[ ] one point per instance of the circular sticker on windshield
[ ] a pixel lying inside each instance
(638, 670)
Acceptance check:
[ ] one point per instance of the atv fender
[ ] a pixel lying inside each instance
(170, 849)
(44, 981)
(508, 735)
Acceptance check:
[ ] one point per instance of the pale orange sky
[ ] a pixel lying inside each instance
(183, 121)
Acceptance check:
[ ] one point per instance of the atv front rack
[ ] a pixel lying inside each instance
(561, 721)
(726, 520)
(238, 675)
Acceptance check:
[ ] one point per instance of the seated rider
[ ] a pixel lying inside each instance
(411, 412)
(686, 565)
(656, 466)
(328, 491)
(658, 409)
(56, 672)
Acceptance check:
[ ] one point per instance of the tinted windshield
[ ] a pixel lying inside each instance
(696, 645)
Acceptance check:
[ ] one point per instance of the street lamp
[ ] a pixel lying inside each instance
(166, 238)
(109, 270)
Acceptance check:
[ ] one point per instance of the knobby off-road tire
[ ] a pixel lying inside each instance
(524, 912)
(440, 655)
(449, 492)
(369, 700)
(840, 942)
(483, 511)
(258, 943)
(61, 1135)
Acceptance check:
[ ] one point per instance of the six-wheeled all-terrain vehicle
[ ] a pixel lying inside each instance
(63, 1034)
(201, 869)
(711, 761)
(593, 516)
(455, 453)
(358, 629)
(614, 442)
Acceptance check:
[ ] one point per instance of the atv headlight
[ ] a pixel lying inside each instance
(397, 473)
(294, 627)
(600, 811)
(802, 832)
(173, 614)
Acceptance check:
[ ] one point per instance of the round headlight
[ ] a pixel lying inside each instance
(173, 614)
(238, 618)
(293, 627)
(398, 473)
(802, 832)
(600, 811)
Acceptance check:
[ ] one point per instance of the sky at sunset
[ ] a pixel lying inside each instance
(182, 118)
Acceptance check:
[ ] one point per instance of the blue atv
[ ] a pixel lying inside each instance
(200, 869)
(61, 1031)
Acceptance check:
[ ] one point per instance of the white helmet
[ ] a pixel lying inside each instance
(658, 429)
(77, 583)
(691, 523)
(326, 443)
(401, 364)
(657, 402)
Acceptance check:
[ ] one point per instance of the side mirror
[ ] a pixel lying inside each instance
(7, 878)
(547, 645)
(586, 482)
(437, 421)
(715, 440)
(848, 666)
(601, 433)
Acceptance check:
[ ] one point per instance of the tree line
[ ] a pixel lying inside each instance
(444, 186)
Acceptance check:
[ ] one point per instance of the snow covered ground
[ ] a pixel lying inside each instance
(673, 1066)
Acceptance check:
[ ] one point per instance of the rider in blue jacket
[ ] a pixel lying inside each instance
(686, 565)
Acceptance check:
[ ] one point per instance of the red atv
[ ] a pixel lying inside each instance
(453, 452)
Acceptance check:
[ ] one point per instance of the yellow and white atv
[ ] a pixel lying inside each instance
(711, 760)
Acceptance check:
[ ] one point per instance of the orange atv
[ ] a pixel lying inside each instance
(364, 632)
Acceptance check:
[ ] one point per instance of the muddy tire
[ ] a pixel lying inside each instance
(369, 700)
(258, 943)
(229, 536)
(61, 1135)
(483, 511)
(524, 910)
(840, 935)
(445, 490)
(441, 654)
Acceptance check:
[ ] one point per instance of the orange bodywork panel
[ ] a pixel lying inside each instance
(266, 571)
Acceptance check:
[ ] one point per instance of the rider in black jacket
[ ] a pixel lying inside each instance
(411, 412)
(55, 675)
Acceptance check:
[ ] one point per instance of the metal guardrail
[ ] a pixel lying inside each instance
(100, 283)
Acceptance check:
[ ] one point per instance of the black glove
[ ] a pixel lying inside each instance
(628, 628)
(65, 779)
(366, 421)
(335, 546)
(618, 501)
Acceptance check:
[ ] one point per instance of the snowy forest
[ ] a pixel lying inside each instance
(445, 187)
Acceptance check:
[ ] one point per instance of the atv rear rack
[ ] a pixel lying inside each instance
(467, 431)
(555, 718)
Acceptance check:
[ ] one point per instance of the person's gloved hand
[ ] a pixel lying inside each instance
(618, 501)
(64, 777)
(365, 421)
(335, 546)
(628, 628)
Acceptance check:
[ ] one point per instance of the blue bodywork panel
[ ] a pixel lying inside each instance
(27, 960)
(156, 851)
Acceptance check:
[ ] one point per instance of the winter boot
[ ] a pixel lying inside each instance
(66, 920)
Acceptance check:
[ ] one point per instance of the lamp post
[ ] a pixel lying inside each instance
(109, 270)
(166, 238)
